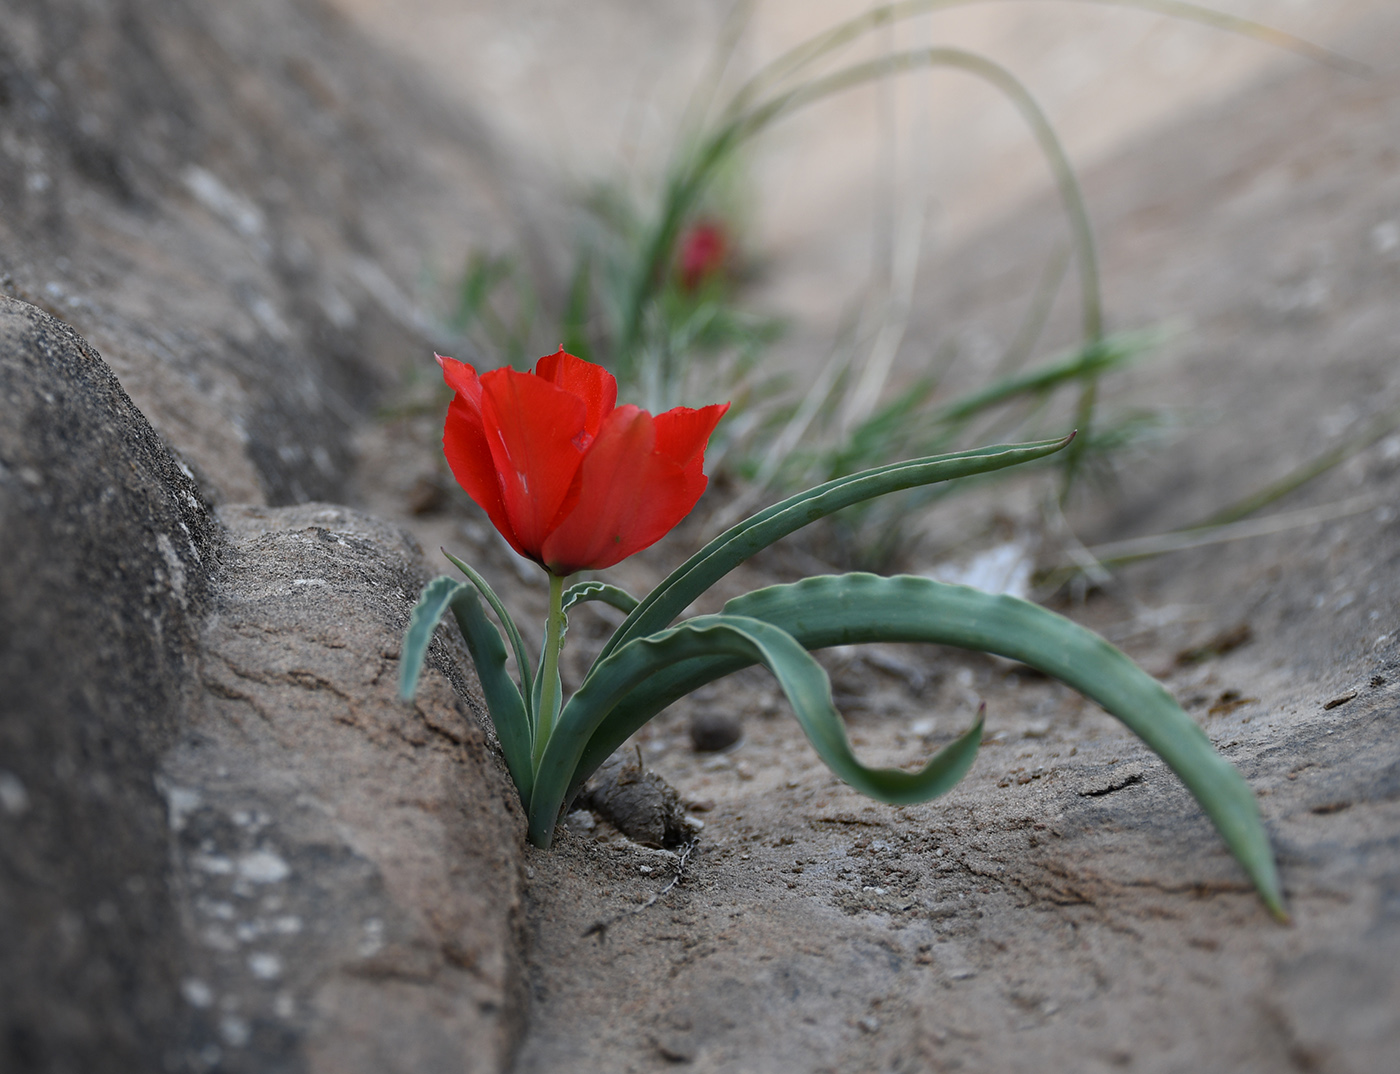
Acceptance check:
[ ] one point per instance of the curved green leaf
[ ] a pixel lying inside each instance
(632, 712)
(427, 613)
(620, 599)
(508, 712)
(739, 542)
(853, 608)
(522, 662)
(803, 681)
(488, 653)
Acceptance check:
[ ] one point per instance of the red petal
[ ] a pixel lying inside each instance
(532, 428)
(591, 383)
(630, 496)
(462, 379)
(469, 456)
(682, 434)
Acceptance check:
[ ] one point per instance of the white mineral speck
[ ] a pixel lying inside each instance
(14, 799)
(234, 1030)
(212, 864)
(181, 802)
(265, 967)
(373, 938)
(263, 867)
(196, 992)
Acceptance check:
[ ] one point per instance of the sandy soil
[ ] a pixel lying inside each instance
(1068, 907)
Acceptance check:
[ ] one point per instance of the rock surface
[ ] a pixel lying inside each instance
(104, 583)
(348, 865)
(331, 882)
(234, 204)
(227, 202)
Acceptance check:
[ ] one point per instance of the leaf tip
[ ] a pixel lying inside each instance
(408, 685)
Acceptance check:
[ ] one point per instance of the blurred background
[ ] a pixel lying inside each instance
(601, 91)
(917, 260)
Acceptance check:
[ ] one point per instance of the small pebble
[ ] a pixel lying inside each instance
(711, 732)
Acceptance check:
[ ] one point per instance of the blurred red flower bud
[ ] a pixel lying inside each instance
(702, 252)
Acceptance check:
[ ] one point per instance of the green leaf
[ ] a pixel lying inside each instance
(1094, 359)
(488, 653)
(507, 707)
(803, 681)
(433, 601)
(522, 662)
(739, 542)
(620, 599)
(854, 608)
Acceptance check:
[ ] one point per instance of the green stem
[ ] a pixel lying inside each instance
(549, 665)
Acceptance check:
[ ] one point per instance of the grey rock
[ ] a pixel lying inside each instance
(349, 865)
(711, 732)
(230, 202)
(103, 589)
(224, 843)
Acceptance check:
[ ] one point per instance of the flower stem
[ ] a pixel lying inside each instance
(549, 665)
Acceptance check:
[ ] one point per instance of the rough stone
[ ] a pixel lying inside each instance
(103, 587)
(331, 882)
(232, 203)
(639, 804)
(348, 864)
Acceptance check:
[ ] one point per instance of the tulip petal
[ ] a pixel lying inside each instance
(591, 383)
(464, 444)
(469, 456)
(533, 429)
(682, 433)
(631, 495)
(462, 379)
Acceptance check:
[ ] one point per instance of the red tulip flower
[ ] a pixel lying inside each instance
(572, 480)
(702, 253)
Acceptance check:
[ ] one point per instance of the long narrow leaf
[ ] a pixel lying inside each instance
(522, 662)
(633, 711)
(427, 613)
(488, 653)
(739, 542)
(1092, 360)
(853, 608)
(508, 713)
(803, 681)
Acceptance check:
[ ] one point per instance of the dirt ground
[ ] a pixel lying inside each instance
(1067, 907)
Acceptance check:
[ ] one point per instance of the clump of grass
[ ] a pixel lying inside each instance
(669, 333)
